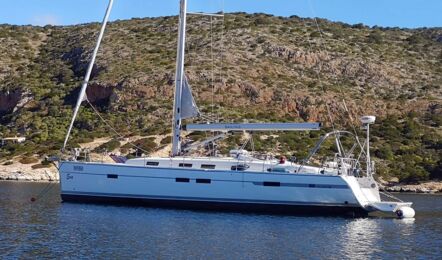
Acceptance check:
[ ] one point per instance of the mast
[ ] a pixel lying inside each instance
(179, 78)
(81, 96)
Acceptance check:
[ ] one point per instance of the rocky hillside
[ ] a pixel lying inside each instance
(254, 67)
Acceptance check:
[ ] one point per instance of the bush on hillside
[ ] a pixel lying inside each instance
(109, 146)
(166, 140)
(40, 166)
(28, 160)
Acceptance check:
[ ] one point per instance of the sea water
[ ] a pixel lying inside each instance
(48, 228)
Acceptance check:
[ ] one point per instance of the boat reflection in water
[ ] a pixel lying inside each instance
(372, 237)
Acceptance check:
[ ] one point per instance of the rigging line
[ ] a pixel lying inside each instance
(188, 49)
(361, 153)
(245, 143)
(252, 143)
(389, 195)
(191, 56)
(206, 117)
(43, 192)
(321, 45)
(221, 54)
(213, 64)
(113, 129)
(318, 76)
(19, 244)
(339, 85)
(352, 123)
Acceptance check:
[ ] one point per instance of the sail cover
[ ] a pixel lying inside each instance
(189, 108)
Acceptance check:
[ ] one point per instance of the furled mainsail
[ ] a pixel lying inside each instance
(189, 108)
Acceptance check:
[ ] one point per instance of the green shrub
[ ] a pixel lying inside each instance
(84, 140)
(145, 145)
(315, 34)
(166, 140)
(109, 146)
(40, 166)
(384, 152)
(28, 160)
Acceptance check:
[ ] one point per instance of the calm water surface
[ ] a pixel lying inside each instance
(48, 228)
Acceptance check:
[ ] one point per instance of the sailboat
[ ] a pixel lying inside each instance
(239, 182)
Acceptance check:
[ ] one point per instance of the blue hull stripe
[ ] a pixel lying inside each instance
(224, 200)
(230, 206)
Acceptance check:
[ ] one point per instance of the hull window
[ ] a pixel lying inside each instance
(271, 183)
(206, 181)
(112, 176)
(187, 165)
(240, 167)
(152, 163)
(182, 180)
(207, 166)
(277, 169)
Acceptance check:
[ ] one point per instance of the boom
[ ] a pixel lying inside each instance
(253, 127)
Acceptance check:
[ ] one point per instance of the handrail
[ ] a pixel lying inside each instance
(322, 140)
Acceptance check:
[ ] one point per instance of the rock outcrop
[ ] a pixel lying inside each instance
(9, 101)
(19, 172)
(425, 187)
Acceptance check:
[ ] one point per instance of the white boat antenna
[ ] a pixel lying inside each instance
(81, 96)
(366, 122)
(179, 78)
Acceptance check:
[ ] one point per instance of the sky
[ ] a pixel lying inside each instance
(386, 13)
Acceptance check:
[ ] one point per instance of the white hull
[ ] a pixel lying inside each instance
(121, 182)
(239, 182)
